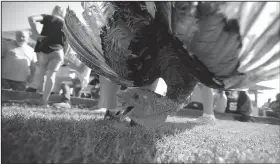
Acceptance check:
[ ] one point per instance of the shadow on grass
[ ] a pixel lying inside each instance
(41, 140)
(29, 139)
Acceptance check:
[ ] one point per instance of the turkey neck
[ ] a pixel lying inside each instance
(175, 72)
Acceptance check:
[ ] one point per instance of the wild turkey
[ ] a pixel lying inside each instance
(134, 43)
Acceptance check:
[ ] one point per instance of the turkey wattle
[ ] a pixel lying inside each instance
(134, 43)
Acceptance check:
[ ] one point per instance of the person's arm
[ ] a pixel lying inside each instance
(33, 20)
(66, 48)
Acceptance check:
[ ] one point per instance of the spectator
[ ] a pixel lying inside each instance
(50, 49)
(18, 62)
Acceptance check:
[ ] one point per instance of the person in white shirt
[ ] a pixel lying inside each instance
(18, 62)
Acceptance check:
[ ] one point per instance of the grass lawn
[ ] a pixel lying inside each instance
(45, 135)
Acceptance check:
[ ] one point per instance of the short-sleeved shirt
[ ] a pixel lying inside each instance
(52, 29)
(16, 61)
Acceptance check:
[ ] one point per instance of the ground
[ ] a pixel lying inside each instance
(44, 135)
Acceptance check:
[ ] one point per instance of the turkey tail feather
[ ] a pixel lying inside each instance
(260, 46)
(88, 48)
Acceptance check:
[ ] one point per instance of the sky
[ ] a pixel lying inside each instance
(15, 17)
(15, 14)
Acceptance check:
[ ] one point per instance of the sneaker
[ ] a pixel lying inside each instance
(30, 89)
(62, 105)
(205, 119)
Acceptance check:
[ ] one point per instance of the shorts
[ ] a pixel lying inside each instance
(51, 61)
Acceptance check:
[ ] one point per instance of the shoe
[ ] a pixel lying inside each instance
(62, 105)
(30, 89)
(205, 119)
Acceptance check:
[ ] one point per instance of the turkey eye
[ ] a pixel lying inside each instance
(135, 96)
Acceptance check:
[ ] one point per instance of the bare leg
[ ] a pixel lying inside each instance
(40, 71)
(50, 81)
(108, 97)
(207, 101)
(65, 97)
(55, 61)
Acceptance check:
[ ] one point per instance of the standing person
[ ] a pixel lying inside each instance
(18, 62)
(50, 49)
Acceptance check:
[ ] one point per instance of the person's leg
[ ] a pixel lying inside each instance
(40, 72)
(65, 97)
(66, 93)
(50, 80)
(55, 61)
(77, 87)
(207, 98)
(108, 94)
(77, 91)
(207, 101)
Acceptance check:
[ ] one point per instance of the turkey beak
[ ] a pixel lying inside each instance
(126, 112)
